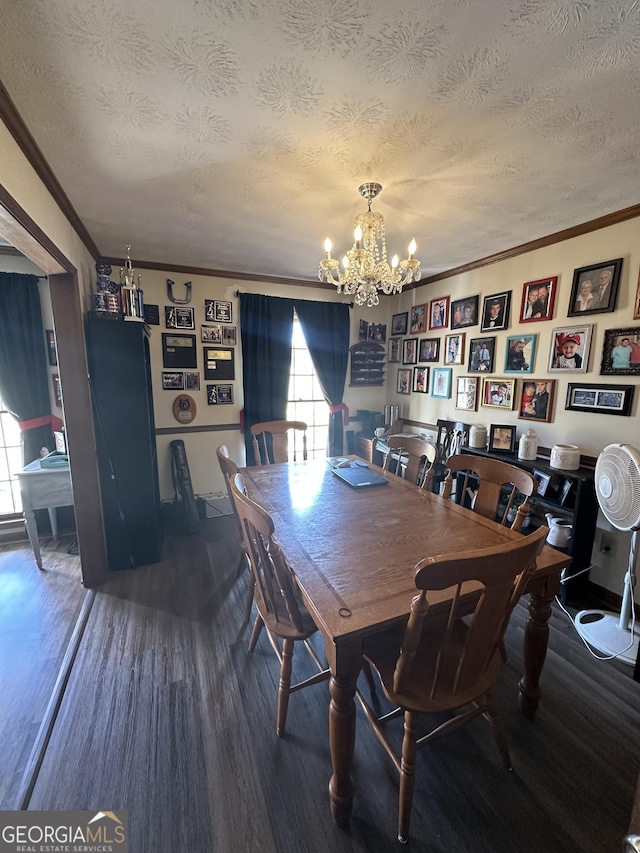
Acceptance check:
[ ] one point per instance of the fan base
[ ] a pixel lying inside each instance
(606, 637)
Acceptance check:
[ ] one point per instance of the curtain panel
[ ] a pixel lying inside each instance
(24, 381)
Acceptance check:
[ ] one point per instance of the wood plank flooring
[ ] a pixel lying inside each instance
(168, 716)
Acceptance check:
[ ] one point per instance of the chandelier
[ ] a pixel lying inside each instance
(365, 267)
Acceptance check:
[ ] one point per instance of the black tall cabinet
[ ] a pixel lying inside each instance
(120, 381)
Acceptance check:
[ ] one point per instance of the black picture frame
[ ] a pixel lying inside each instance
(502, 438)
(410, 351)
(172, 380)
(421, 380)
(491, 322)
(464, 312)
(219, 363)
(51, 347)
(606, 274)
(225, 394)
(176, 317)
(394, 350)
(429, 349)
(600, 398)
(223, 311)
(613, 339)
(179, 351)
(399, 323)
(479, 360)
(565, 491)
(151, 314)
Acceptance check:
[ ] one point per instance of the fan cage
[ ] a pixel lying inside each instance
(617, 480)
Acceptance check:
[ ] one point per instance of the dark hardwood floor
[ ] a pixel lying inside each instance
(166, 715)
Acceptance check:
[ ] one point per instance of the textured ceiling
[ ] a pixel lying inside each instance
(233, 134)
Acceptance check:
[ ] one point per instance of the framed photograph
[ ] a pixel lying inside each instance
(542, 481)
(377, 332)
(211, 334)
(418, 320)
(399, 323)
(51, 347)
(421, 379)
(363, 330)
(481, 355)
(229, 336)
(520, 353)
(595, 288)
(173, 381)
(218, 363)
(565, 491)
(429, 349)
(464, 312)
(439, 313)
(502, 438)
(178, 318)
(57, 389)
(410, 351)
(621, 352)
(403, 384)
(498, 393)
(221, 311)
(179, 351)
(538, 298)
(495, 312)
(570, 349)
(467, 393)
(535, 399)
(603, 399)
(394, 350)
(454, 348)
(441, 382)
(192, 381)
(636, 304)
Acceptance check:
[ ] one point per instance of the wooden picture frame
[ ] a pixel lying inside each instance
(495, 312)
(403, 382)
(481, 355)
(595, 288)
(429, 349)
(535, 399)
(600, 399)
(439, 313)
(418, 320)
(441, 382)
(454, 348)
(498, 393)
(519, 354)
(502, 438)
(51, 347)
(569, 351)
(399, 323)
(394, 350)
(636, 304)
(410, 351)
(538, 299)
(464, 312)
(421, 380)
(467, 393)
(621, 352)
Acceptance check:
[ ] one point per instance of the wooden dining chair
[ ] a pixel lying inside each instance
(450, 437)
(414, 456)
(491, 485)
(443, 662)
(270, 441)
(229, 470)
(280, 606)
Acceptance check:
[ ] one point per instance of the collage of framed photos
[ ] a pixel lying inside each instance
(440, 331)
(180, 350)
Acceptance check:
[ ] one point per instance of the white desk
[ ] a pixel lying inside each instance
(43, 488)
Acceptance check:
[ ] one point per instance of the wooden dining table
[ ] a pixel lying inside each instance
(353, 552)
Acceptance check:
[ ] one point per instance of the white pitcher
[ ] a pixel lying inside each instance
(559, 531)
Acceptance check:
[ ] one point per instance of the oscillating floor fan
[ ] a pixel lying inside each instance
(617, 484)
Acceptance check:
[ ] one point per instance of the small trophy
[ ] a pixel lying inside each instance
(131, 298)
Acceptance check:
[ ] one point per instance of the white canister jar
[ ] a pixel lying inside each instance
(478, 436)
(565, 457)
(528, 445)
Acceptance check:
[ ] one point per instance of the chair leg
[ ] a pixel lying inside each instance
(407, 776)
(258, 625)
(284, 688)
(491, 714)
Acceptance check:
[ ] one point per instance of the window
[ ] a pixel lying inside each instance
(10, 464)
(306, 401)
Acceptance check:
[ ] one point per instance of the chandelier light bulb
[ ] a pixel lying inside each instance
(328, 245)
(395, 260)
(412, 249)
(357, 236)
(345, 262)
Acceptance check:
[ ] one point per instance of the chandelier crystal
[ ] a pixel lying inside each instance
(365, 269)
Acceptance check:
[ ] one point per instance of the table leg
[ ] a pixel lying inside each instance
(53, 519)
(32, 533)
(345, 664)
(536, 638)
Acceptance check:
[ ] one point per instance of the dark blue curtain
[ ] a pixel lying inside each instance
(24, 382)
(326, 331)
(266, 325)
